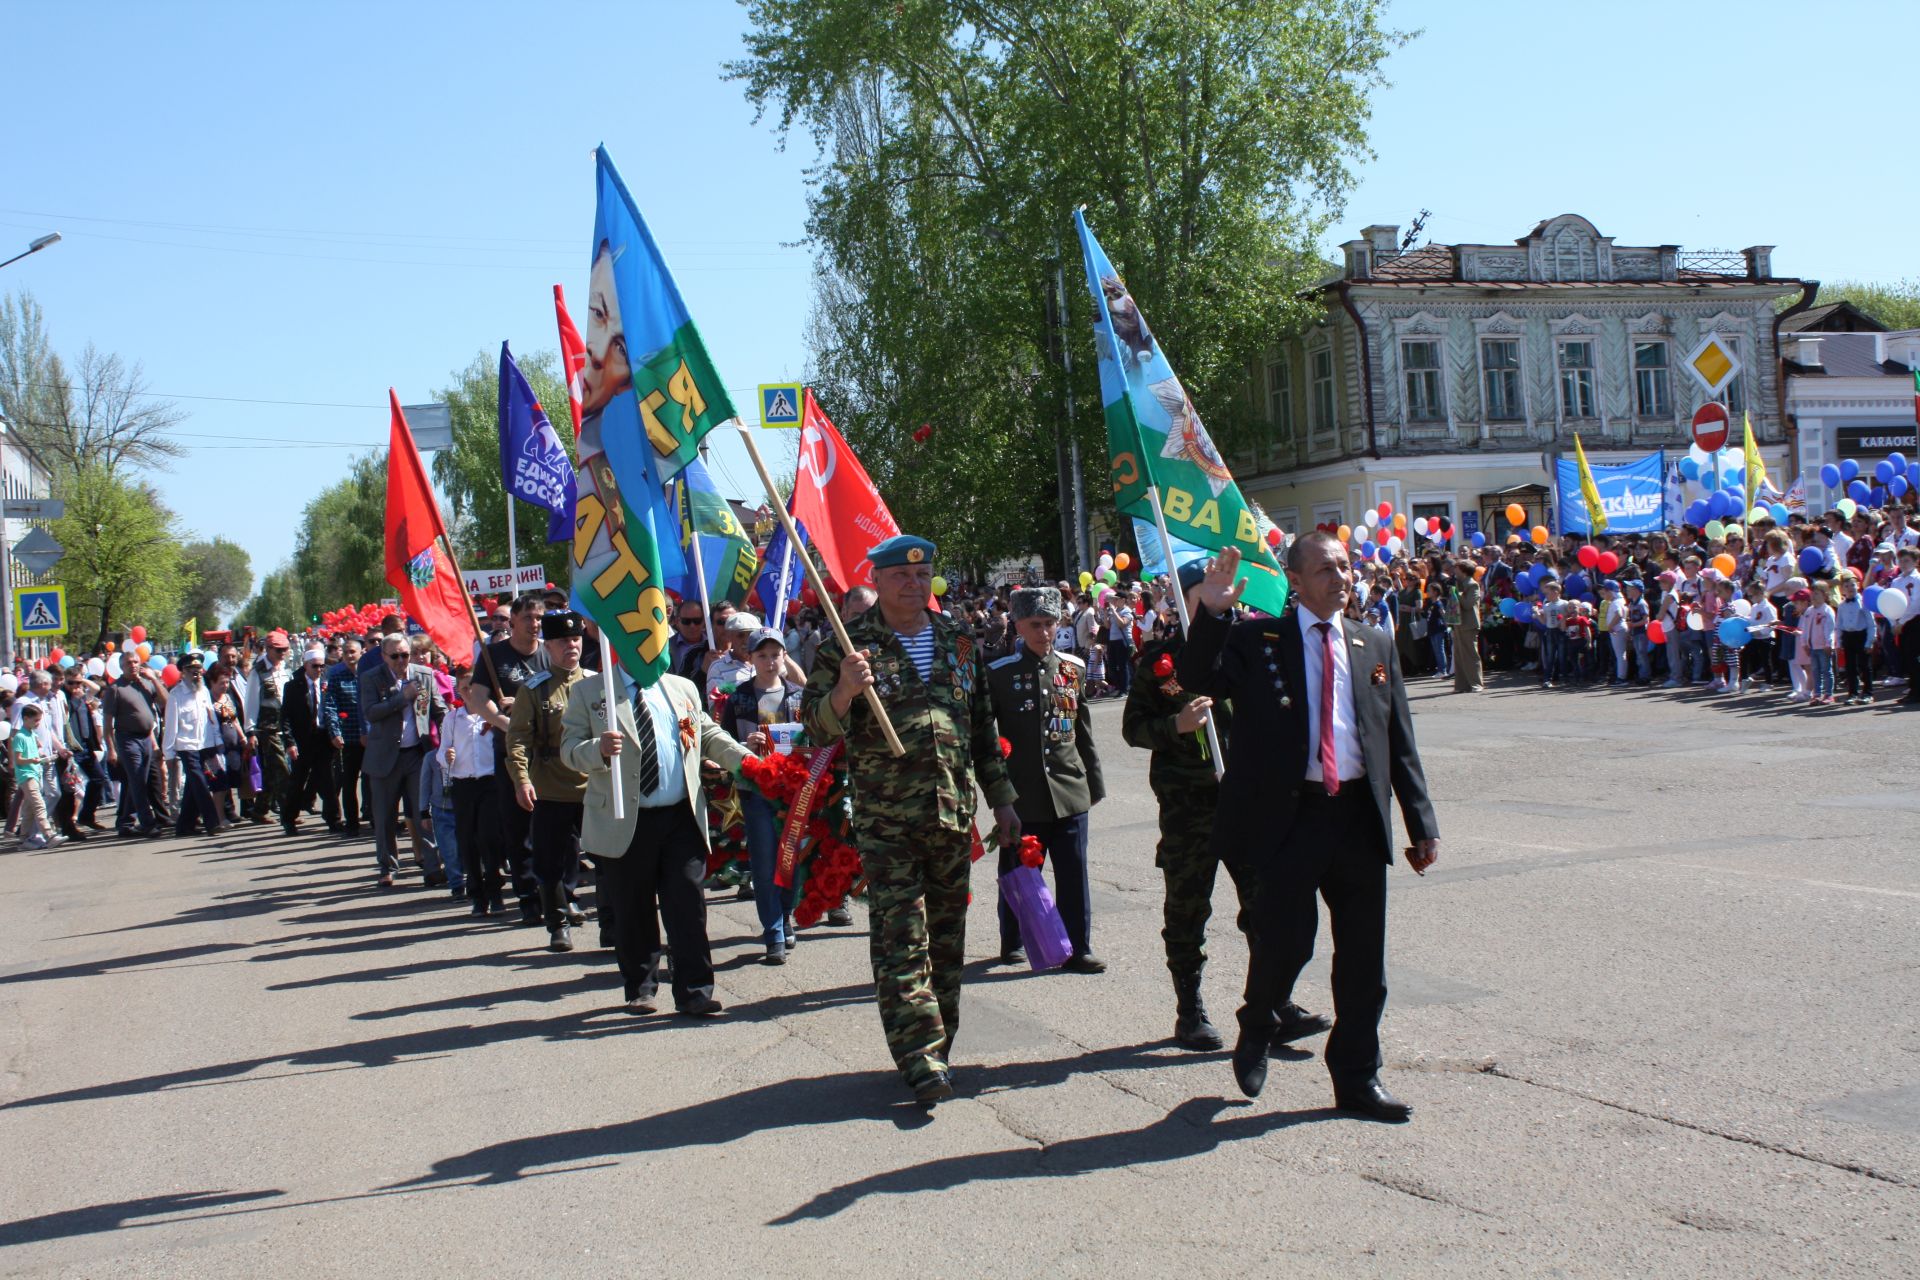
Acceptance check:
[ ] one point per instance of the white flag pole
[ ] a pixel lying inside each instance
(613, 720)
(1186, 623)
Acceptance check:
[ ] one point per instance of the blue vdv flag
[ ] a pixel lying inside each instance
(726, 551)
(533, 463)
(782, 576)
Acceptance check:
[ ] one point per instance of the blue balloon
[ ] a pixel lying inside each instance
(1779, 512)
(1812, 560)
(66, 660)
(1524, 613)
(1898, 486)
(1871, 598)
(1689, 469)
(1719, 505)
(1734, 632)
(1697, 512)
(1913, 474)
(1849, 468)
(1576, 584)
(157, 663)
(1365, 549)
(1523, 582)
(1859, 491)
(1883, 471)
(1830, 476)
(1479, 540)
(1733, 479)
(1898, 459)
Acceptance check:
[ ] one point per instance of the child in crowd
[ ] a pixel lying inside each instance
(1726, 657)
(1674, 625)
(1818, 631)
(1638, 616)
(1613, 624)
(1553, 634)
(1758, 657)
(1580, 629)
(1857, 628)
(36, 832)
(1795, 648)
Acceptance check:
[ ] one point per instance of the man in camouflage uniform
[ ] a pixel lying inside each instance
(913, 814)
(543, 784)
(1040, 703)
(1165, 719)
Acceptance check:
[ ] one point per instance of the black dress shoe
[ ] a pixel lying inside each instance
(1370, 1098)
(1086, 962)
(1250, 1063)
(338, 828)
(438, 880)
(935, 1089)
(1014, 955)
(1297, 1024)
(700, 1007)
(575, 916)
(839, 918)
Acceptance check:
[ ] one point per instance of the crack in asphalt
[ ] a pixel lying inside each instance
(1843, 1166)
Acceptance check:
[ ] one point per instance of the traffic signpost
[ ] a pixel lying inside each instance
(40, 611)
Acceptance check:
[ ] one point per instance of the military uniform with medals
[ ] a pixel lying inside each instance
(533, 758)
(913, 815)
(1040, 705)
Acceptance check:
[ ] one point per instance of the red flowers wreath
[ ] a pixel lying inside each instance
(833, 867)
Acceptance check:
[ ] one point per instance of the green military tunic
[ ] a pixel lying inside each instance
(1466, 639)
(1181, 773)
(1040, 705)
(913, 819)
(533, 737)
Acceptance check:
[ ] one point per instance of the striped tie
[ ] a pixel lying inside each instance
(648, 733)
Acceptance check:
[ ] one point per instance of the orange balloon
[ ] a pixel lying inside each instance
(1516, 514)
(1121, 561)
(1726, 564)
(109, 646)
(1346, 533)
(1540, 535)
(1400, 523)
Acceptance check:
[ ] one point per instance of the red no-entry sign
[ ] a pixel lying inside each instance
(1710, 426)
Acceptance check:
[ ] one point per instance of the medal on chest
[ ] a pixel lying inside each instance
(963, 666)
(886, 678)
(1065, 703)
(1273, 669)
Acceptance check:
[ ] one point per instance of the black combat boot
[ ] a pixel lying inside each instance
(1191, 1030)
(559, 937)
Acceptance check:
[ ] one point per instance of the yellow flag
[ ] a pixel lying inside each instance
(1589, 492)
(1756, 469)
(192, 626)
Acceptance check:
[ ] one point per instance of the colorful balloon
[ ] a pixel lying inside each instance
(1588, 556)
(1540, 535)
(1344, 533)
(1830, 476)
(1893, 604)
(939, 585)
(1726, 564)
(1121, 561)
(1516, 514)
(136, 634)
(1609, 562)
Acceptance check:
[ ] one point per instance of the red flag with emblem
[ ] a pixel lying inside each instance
(573, 356)
(836, 501)
(419, 567)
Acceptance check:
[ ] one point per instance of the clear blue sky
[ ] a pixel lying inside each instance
(278, 203)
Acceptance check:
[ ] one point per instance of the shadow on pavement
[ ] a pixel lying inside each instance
(123, 1213)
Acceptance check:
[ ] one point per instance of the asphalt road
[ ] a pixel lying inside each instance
(1656, 1007)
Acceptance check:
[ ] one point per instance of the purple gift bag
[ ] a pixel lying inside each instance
(253, 774)
(1041, 931)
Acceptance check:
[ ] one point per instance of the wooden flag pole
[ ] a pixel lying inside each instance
(819, 586)
(446, 544)
(613, 720)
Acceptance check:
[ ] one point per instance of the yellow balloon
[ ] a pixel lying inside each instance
(1540, 535)
(1399, 522)
(1516, 514)
(1086, 579)
(1346, 532)
(939, 585)
(1121, 561)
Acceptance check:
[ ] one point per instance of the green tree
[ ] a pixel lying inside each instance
(1896, 304)
(278, 603)
(340, 550)
(1210, 141)
(222, 571)
(469, 473)
(124, 563)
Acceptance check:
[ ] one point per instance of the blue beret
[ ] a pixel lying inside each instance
(900, 549)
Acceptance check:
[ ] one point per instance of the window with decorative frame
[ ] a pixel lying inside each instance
(1420, 371)
(1652, 379)
(1280, 401)
(1736, 390)
(1320, 407)
(1574, 356)
(1500, 374)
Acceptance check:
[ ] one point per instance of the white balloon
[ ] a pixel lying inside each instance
(1893, 604)
(1394, 544)
(1420, 525)
(1696, 621)
(113, 665)
(95, 666)
(1371, 518)
(1106, 562)
(1700, 456)
(1743, 608)
(9, 682)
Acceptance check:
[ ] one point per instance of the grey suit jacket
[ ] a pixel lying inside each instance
(385, 706)
(601, 833)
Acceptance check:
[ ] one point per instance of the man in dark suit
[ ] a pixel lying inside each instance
(1323, 736)
(401, 703)
(312, 771)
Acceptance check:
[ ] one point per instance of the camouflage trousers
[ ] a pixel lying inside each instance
(1186, 859)
(917, 909)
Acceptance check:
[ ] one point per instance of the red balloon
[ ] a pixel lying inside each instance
(1588, 556)
(1386, 510)
(170, 675)
(137, 634)
(1273, 537)
(56, 653)
(1656, 632)
(1609, 562)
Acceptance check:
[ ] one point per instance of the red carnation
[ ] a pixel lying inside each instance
(1031, 854)
(1006, 748)
(1163, 666)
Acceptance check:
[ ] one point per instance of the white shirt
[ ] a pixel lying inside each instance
(191, 723)
(1909, 583)
(1760, 621)
(463, 737)
(1779, 569)
(1346, 730)
(727, 669)
(1907, 537)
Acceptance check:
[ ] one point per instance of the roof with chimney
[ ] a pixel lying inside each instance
(1852, 355)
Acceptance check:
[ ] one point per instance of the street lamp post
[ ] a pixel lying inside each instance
(33, 247)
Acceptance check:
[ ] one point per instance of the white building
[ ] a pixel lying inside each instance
(1443, 379)
(22, 475)
(1851, 395)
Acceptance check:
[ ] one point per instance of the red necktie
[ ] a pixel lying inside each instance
(1329, 758)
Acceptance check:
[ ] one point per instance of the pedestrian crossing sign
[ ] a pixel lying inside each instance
(780, 404)
(40, 611)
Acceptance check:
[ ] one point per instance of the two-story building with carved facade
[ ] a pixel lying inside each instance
(1445, 378)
